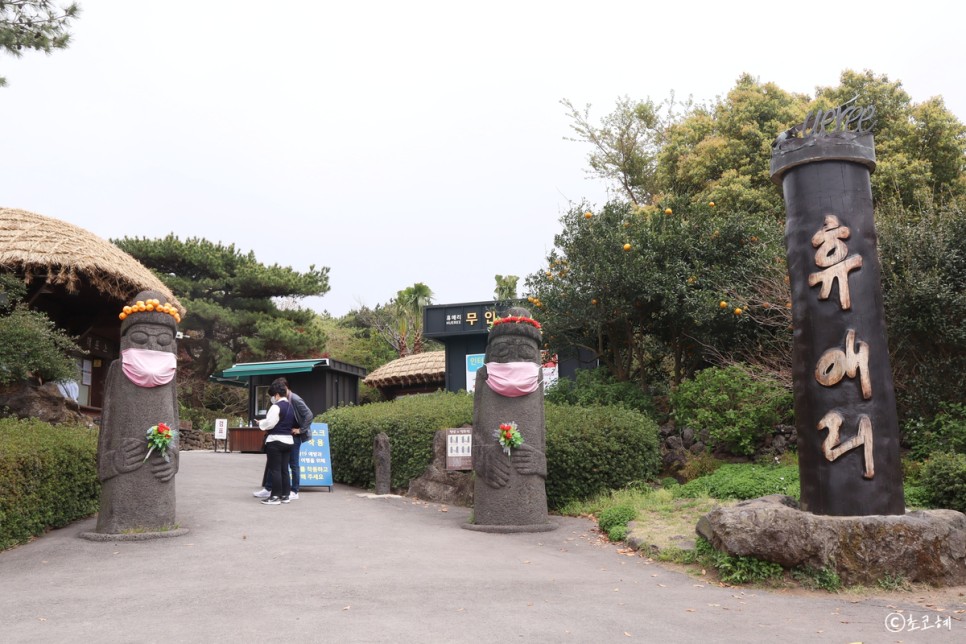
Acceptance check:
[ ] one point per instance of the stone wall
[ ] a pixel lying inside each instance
(677, 444)
(196, 439)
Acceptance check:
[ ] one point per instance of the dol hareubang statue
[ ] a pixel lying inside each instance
(137, 482)
(510, 489)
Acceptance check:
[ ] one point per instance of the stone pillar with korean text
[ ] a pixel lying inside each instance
(845, 409)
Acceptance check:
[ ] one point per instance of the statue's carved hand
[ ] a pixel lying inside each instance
(495, 466)
(163, 470)
(130, 456)
(528, 460)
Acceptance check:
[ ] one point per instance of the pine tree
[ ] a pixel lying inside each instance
(34, 24)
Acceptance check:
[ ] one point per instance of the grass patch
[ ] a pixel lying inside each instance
(663, 521)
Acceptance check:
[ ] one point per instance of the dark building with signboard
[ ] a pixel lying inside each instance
(321, 382)
(462, 329)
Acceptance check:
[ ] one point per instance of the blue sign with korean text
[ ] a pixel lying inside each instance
(315, 466)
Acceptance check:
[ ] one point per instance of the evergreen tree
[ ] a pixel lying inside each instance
(231, 301)
(34, 24)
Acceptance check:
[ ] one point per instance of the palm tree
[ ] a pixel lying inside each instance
(409, 304)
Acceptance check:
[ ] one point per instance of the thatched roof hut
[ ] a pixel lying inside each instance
(80, 281)
(53, 252)
(418, 373)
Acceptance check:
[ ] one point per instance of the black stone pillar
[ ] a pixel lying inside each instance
(845, 410)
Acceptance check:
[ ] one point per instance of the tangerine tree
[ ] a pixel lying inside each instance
(644, 287)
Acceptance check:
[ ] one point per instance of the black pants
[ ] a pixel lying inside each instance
(278, 455)
(293, 464)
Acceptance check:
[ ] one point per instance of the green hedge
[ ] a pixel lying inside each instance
(48, 478)
(589, 450)
(410, 423)
(594, 449)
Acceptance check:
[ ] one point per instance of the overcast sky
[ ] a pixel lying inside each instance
(398, 142)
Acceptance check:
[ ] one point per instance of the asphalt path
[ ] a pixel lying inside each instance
(347, 566)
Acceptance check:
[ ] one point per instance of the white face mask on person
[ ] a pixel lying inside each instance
(513, 379)
(147, 368)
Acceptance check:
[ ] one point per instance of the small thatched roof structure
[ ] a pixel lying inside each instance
(422, 371)
(65, 255)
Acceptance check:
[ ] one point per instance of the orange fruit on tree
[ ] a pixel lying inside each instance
(738, 311)
(723, 304)
(711, 203)
(588, 215)
(627, 246)
(668, 211)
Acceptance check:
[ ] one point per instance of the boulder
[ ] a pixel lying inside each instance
(44, 402)
(439, 485)
(687, 436)
(927, 546)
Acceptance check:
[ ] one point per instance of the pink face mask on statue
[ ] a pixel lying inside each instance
(147, 368)
(513, 379)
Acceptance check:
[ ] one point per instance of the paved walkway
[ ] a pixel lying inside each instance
(343, 566)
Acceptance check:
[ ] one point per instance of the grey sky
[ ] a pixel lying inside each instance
(398, 142)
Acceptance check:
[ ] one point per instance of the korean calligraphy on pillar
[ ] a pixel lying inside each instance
(852, 358)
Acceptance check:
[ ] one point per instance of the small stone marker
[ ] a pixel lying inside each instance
(380, 457)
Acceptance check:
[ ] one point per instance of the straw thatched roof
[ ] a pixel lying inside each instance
(419, 369)
(61, 253)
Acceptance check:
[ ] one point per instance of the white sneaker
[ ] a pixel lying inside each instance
(294, 496)
(261, 494)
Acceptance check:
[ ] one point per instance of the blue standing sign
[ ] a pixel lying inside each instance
(315, 466)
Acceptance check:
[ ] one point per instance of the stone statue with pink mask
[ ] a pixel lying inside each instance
(510, 492)
(137, 477)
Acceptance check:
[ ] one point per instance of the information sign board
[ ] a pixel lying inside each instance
(315, 466)
(459, 448)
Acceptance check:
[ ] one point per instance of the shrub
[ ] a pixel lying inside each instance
(946, 432)
(943, 479)
(668, 482)
(595, 387)
(32, 347)
(698, 465)
(48, 477)
(410, 423)
(915, 495)
(737, 569)
(826, 579)
(595, 449)
(743, 481)
(737, 409)
(618, 515)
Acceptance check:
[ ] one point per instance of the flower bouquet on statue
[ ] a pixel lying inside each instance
(159, 437)
(509, 436)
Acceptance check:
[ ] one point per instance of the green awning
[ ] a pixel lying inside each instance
(282, 367)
